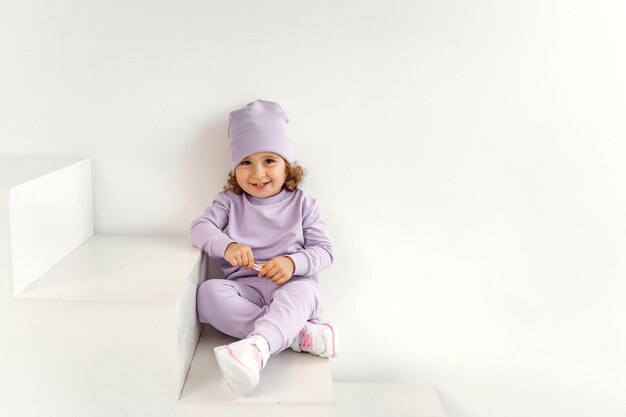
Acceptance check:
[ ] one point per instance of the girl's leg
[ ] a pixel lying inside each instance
(293, 303)
(230, 306)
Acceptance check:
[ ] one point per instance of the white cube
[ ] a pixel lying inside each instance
(46, 212)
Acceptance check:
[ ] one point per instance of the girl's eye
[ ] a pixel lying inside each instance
(269, 161)
(245, 162)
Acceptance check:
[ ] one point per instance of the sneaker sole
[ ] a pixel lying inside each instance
(328, 334)
(240, 377)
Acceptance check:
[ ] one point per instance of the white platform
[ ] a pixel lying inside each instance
(120, 269)
(289, 377)
(351, 400)
(131, 291)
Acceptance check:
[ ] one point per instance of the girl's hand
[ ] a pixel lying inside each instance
(279, 270)
(239, 255)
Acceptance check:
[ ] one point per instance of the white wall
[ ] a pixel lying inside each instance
(468, 158)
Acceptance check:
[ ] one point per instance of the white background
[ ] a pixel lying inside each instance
(468, 158)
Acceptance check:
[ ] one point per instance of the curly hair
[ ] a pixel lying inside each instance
(295, 175)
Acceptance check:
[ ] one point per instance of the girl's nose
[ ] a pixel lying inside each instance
(259, 170)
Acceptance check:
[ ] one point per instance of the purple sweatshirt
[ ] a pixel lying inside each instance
(287, 224)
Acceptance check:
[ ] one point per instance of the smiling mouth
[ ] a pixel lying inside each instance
(261, 184)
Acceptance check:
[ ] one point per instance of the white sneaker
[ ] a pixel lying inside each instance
(239, 365)
(317, 338)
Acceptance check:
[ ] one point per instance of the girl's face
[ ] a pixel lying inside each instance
(261, 174)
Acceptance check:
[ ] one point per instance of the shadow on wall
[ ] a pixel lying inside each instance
(207, 166)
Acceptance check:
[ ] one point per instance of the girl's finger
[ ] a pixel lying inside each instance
(246, 257)
(250, 259)
(273, 271)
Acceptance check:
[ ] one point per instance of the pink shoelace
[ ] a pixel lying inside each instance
(306, 340)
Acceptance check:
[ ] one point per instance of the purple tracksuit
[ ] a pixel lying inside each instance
(287, 224)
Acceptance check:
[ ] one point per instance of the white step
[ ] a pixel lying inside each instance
(297, 384)
(135, 269)
(150, 279)
(116, 314)
(45, 213)
(351, 400)
(289, 377)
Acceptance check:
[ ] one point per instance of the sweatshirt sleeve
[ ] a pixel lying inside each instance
(207, 231)
(317, 254)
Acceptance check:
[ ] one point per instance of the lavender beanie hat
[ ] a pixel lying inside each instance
(261, 126)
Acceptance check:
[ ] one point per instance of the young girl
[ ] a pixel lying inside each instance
(272, 242)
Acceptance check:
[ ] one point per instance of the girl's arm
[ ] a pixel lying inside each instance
(317, 254)
(207, 231)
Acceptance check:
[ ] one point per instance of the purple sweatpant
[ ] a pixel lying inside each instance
(256, 306)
